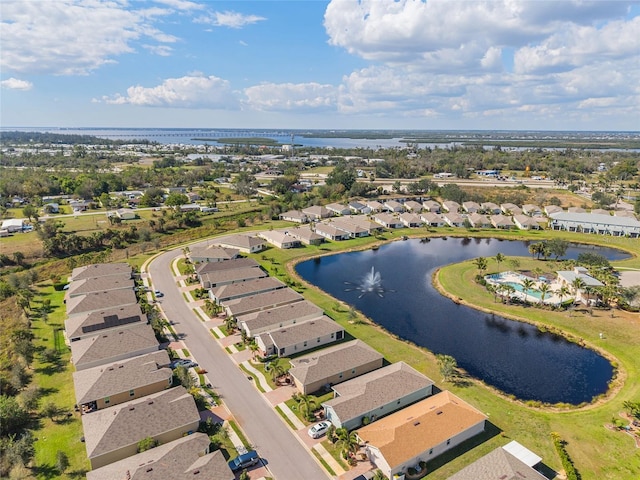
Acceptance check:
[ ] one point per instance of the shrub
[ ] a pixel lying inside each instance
(567, 463)
(147, 444)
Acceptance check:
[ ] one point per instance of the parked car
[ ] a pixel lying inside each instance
(243, 461)
(183, 362)
(158, 294)
(319, 429)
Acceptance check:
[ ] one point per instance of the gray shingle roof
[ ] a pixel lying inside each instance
(84, 323)
(374, 389)
(274, 316)
(253, 303)
(111, 344)
(181, 459)
(128, 423)
(247, 288)
(333, 360)
(99, 270)
(305, 331)
(213, 251)
(95, 301)
(208, 267)
(108, 380)
(234, 275)
(99, 284)
(498, 465)
(238, 240)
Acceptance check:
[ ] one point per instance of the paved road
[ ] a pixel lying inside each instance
(286, 458)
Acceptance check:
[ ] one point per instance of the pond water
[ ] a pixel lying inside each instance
(514, 357)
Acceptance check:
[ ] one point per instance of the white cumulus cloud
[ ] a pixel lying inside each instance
(71, 37)
(16, 84)
(229, 19)
(291, 97)
(194, 91)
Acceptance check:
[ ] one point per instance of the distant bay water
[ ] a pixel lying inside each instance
(367, 139)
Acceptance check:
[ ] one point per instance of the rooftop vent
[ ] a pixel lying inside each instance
(150, 403)
(416, 424)
(439, 412)
(130, 409)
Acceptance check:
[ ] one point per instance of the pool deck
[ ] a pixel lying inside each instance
(551, 298)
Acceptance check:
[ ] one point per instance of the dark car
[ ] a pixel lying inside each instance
(365, 476)
(243, 461)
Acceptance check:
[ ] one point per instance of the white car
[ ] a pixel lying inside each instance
(319, 429)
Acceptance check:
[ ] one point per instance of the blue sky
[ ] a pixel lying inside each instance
(384, 64)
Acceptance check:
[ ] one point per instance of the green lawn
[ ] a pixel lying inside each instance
(57, 387)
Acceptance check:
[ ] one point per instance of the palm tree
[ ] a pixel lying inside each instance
(481, 263)
(499, 258)
(509, 290)
(347, 441)
(277, 368)
(577, 285)
(562, 292)
(527, 284)
(544, 289)
(307, 404)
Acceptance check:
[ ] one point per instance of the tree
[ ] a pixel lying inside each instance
(52, 411)
(563, 292)
(499, 258)
(448, 366)
(347, 441)
(62, 461)
(13, 417)
(184, 376)
(175, 199)
(30, 212)
(307, 404)
(557, 247)
(245, 184)
(538, 249)
(147, 444)
(481, 264)
(544, 289)
(342, 174)
(577, 285)
(277, 368)
(527, 285)
(245, 475)
(514, 263)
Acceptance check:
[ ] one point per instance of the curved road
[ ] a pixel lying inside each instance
(286, 458)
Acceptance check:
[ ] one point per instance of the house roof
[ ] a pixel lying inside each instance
(498, 465)
(126, 424)
(240, 306)
(239, 240)
(208, 267)
(274, 316)
(108, 380)
(451, 205)
(501, 220)
(525, 220)
(431, 217)
(469, 205)
(346, 224)
(85, 323)
(294, 214)
(333, 360)
(305, 331)
(476, 218)
(247, 288)
(331, 229)
(374, 389)
(99, 270)
(234, 275)
(94, 301)
(393, 204)
(413, 205)
(181, 459)
(489, 206)
(549, 209)
(100, 284)
(357, 221)
(112, 343)
(375, 205)
(569, 276)
(453, 217)
(387, 218)
(316, 210)
(303, 232)
(594, 218)
(407, 433)
(410, 217)
(213, 251)
(336, 207)
(276, 236)
(429, 204)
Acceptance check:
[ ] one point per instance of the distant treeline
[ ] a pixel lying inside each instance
(17, 138)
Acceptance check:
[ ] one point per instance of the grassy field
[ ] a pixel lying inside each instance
(55, 382)
(597, 452)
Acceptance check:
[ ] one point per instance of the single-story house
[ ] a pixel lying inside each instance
(490, 208)
(305, 234)
(294, 339)
(193, 196)
(183, 459)
(524, 222)
(280, 239)
(359, 208)
(78, 205)
(99, 284)
(316, 212)
(94, 301)
(375, 206)
(387, 220)
(531, 210)
(450, 206)
(453, 219)
(294, 216)
(549, 209)
(471, 207)
(510, 209)
(598, 224)
(326, 367)
(353, 228)
(431, 206)
(479, 221)
(51, 208)
(393, 206)
(211, 254)
(338, 209)
(113, 346)
(244, 243)
(231, 275)
(420, 432)
(376, 394)
(113, 434)
(432, 219)
(502, 221)
(99, 270)
(360, 221)
(12, 225)
(411, 220)
(413, 206)
(232, 264)
(108, 385)
(261, 321)
(261, 301)
(224, 293)
(126, 214)
(502, 464)
(330, 231)
(88, 324)
(567, 278)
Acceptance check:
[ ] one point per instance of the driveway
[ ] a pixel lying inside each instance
(286, 457)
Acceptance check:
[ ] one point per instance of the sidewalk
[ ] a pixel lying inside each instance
(259, 377)
(326, 456)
